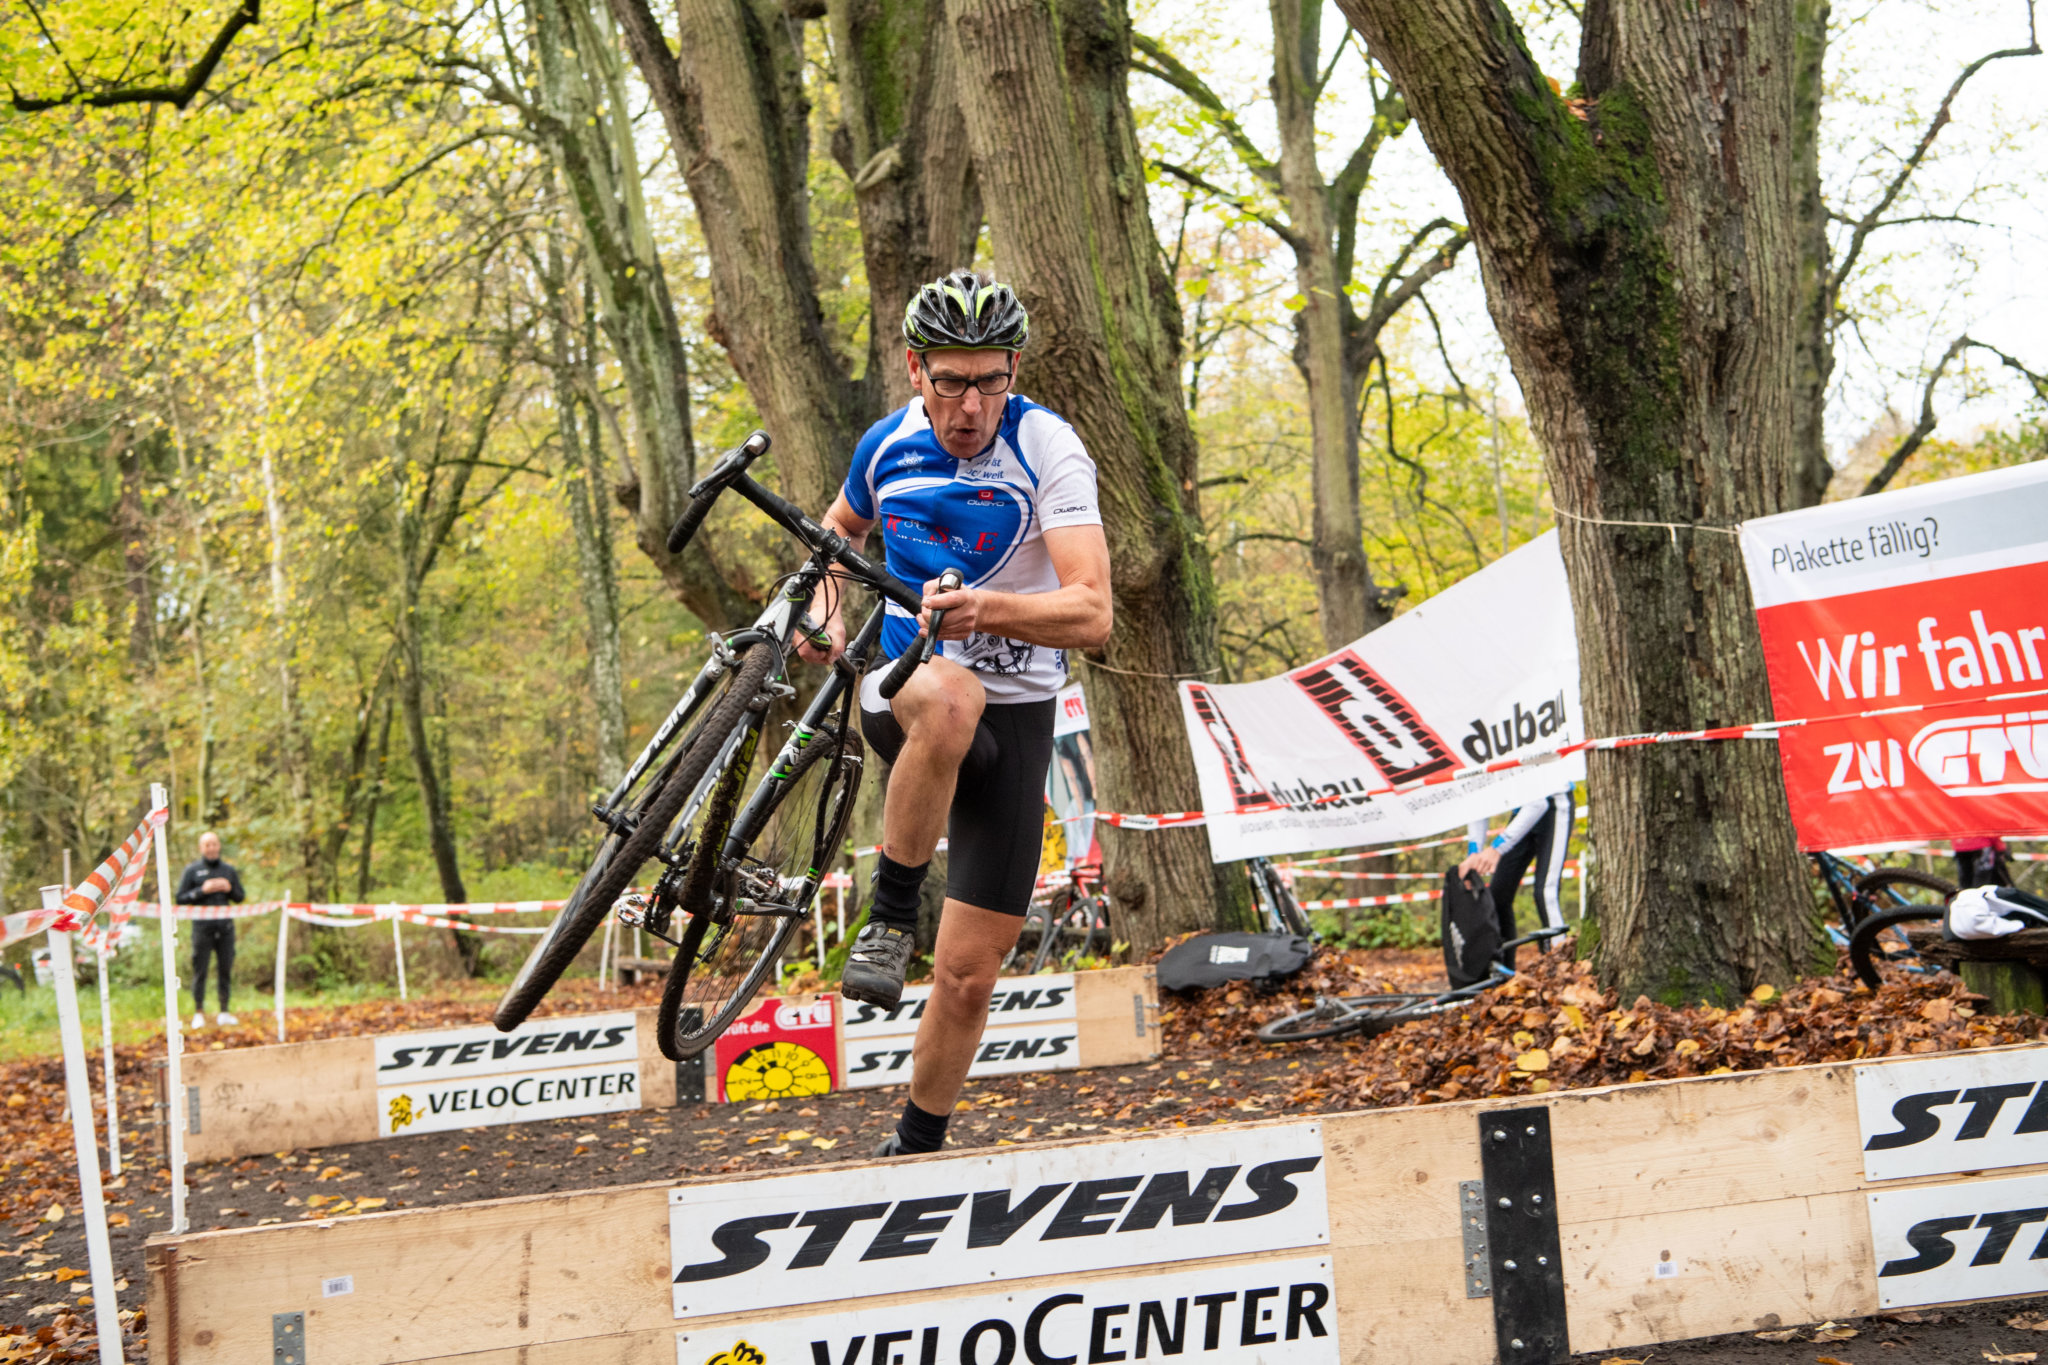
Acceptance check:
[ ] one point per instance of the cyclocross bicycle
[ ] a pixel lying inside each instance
(1874, 909)
(1366, 1015)
(735, 879)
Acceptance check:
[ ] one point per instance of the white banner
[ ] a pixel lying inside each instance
(1486, 669)
(1960, 1112)
(1006, 1213)
(450, 1053)
(1016, 999)
(560, 1093)
(1975, 1239)
(1273, 1312)
(1005, 1050)
(544, 1069)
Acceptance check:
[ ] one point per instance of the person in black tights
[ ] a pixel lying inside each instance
(210, 881)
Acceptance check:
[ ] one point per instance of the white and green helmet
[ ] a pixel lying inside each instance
(965, 311)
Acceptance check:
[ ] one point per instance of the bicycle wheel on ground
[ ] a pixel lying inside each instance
(619, 859)
(1365, 1015)
(736, 933)
(1882, 938)
(1898, 888)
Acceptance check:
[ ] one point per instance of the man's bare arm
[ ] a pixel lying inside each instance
(828, 602)
(1075, 615)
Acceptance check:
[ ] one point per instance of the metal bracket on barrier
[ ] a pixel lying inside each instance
(1472, 1223)
(288, 1338)
(192, 1109)
(1524, 1247)
(1138, 1010)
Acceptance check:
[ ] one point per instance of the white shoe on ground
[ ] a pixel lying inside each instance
(199, 1020)
(225, 1020)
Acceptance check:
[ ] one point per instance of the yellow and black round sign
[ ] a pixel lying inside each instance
(777, 1071)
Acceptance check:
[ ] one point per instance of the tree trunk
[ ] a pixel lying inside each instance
(596, 573)
(1640, 253)
(1042, 85)
(1347, 602)
(589, 128)
(903, 143)
(735, 110)
(1815, 360)
(373, 797)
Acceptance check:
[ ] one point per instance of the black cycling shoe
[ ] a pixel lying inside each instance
(876, 965)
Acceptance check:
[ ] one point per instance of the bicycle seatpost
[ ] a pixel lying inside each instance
(920, 651)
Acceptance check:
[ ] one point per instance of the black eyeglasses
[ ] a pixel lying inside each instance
(955, 386)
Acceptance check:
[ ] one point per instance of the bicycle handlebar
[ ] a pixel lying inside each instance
(920, 651)
(731, 467)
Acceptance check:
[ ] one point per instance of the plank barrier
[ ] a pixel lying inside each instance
(245, 1101)
(1517, 1230)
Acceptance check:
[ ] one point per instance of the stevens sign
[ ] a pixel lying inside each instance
(547, 1068)
(1007, 1214)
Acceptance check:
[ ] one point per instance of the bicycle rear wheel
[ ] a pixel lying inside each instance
(738, 929)
(1867, 944)
(1055, 925)
(1037, 918)
(1366, 1015)
(620, 857)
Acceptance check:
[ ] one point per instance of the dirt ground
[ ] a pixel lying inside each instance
(1210, 1074)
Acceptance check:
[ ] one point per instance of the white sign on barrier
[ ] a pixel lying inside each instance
(1006, 1050)
(538, 1043)
(1016, 999)
(1228, 1315)
(1975, 1239)
(1960, 1112)
(1011, 1213)
(561, 1093)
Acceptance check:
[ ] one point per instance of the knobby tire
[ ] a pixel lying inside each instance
(822, 828)
(1366, 1015)
(613, 871)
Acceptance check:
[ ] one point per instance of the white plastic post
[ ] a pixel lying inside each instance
(604, 949)
(398, 946)
(818, 931)
(284, 924)
(174, 1035)
(107, 1053)
(839, 902)
(106, 1308)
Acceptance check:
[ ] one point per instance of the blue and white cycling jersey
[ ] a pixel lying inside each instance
(986, 517)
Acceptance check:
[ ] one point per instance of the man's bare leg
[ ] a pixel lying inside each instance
(938, 709)
(972, 942)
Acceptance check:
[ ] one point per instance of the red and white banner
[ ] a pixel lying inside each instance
(111, 886)
(1353, 748)
(1933, 600)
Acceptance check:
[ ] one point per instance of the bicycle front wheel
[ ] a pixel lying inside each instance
(623, 853)
(1365, 1015)
(738, 930)
(1867, 945)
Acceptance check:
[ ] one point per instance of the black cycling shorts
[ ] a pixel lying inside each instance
(997, 824)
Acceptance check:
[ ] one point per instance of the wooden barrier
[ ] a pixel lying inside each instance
(1678, 1209)
(244, 1101)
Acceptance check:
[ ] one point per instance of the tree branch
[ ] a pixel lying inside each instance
(1871, 221)
(246, 13)
(1921, 429)
(1169, 68)
(1238, 202)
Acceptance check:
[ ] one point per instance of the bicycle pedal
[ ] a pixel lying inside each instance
(631, 909)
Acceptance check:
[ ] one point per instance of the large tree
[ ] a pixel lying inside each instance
(1043, 87)
(1639, 240)
(1317, 218)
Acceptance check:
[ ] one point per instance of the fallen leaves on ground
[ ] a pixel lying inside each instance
(2029, 1322)
(1552, 1027)
(1781, 1336)
(1998, 1357)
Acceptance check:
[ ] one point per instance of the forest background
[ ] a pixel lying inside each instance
(323, 485)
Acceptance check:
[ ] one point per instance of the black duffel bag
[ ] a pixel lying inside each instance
(1219, 959)
(1470, 928)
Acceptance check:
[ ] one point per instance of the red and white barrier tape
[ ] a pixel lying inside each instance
(112, 886)
(1315, 872)
(1401, 898)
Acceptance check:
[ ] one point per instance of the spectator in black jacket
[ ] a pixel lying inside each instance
(209, 881)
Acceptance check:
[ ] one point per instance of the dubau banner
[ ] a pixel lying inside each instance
(1932, 598)
(1486, 669)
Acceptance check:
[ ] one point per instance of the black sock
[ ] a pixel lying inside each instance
(896, 895)
(918, 1131)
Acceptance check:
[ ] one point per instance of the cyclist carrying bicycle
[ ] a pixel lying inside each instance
(972, 478)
